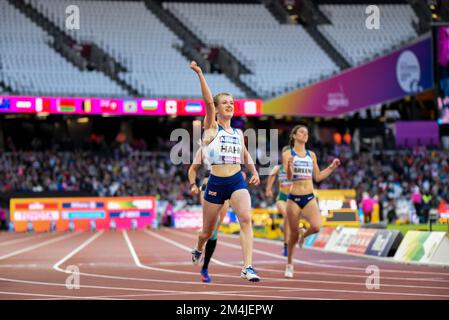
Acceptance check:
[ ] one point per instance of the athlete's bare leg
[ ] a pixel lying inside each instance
(311, 212)
(293, 213)
(210, 216)
(241, 204)
(282, 209)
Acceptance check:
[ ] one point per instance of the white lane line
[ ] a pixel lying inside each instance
(32, 237)
(185, 248)
(78, 249)
(275, 243)
(280, 257)
(17, 252)
(75, 251)
(336, 282)
(189, 293)
(166, 281)
(171, 294)
(51, 295)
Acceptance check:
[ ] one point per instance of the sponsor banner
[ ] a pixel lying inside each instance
(82, 213)
(36, 205)
(129, 214)
(5, 104)
(340, 240)
(187, 219)
(145, 107)
(323, 237)
(404, 72)
(384, 243)
(360, 241)
(83, 205)
(130, 203)
(36, 215)
(419, 246)
(441, 254)
(338, 207)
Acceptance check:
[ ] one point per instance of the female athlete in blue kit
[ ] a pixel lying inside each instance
(301, 166)
(225, 149)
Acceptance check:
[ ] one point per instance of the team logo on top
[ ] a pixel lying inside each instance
(226, 139)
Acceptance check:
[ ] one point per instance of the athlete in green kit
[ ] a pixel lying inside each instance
(281, 199)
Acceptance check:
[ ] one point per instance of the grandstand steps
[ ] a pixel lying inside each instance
(5, 88)
(277, 11)
(310, 14)
(226, 62)
(63, 44)
(327, 47)
(423, 13)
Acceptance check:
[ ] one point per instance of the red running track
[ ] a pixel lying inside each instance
(156, 265)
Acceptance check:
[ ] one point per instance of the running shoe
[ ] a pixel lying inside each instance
(196, 255)
(205, 276)
(289, 271)
(249, 274)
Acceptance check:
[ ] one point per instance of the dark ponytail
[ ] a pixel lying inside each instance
(293, 132)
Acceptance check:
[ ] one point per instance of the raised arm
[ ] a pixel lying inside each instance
(319, 175)
(209, 119)
(270, 182)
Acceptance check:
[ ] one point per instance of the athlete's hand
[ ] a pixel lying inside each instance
(269, 194)
(335, 163)
(290, 162)
(194, 66)
(194, 190)
(254, 180)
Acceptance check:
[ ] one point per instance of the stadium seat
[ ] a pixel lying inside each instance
(141, 42)
(279, 56)
(349, 35)
(31, 66)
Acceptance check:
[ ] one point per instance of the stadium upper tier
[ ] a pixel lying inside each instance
(350, 36)
(29, 65)
(141, 42)
(280, 56)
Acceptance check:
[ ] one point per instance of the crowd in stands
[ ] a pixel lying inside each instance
(401, 182)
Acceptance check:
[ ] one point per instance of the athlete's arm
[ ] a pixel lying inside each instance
(249, 163)
(193, 172)
(209, 119)
(287, 160)
(319, 175)
(270, 182)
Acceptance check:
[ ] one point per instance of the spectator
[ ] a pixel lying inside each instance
(417, 202)
(367, 207)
